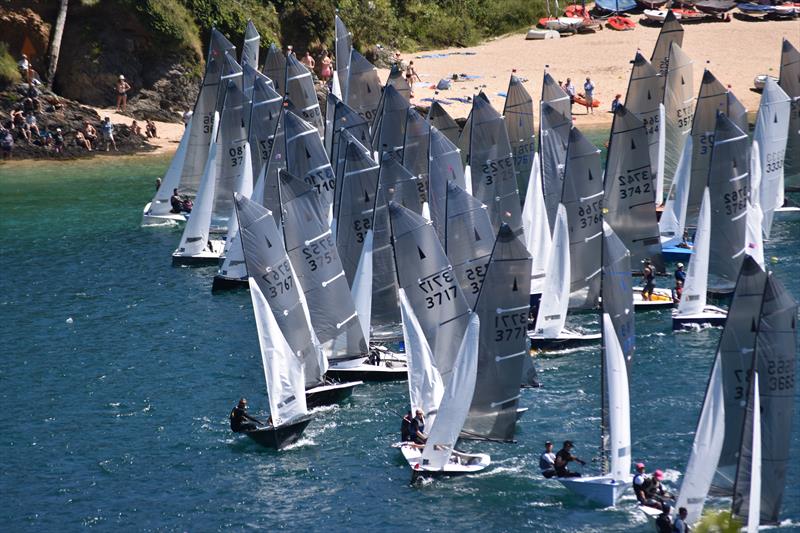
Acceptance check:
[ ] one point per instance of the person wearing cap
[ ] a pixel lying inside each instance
(664, 520)
(58, 141)
(639, 481)
(655, 494)
(563, 458)
(680, 273)
(649, 279)
(547, 461)
(240, 420)
(122, 93)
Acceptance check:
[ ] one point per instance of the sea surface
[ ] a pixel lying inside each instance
(118, 372)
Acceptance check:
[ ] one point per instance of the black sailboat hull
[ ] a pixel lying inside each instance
(330, 394)
(280, 437)
(222, 283)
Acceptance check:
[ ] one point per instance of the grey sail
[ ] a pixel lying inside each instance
(306, 157)
(678, 109)
(275, 68)
(312, 251)
(389, 127)
(364, 88)
(711, 99)
(302, 94)
(397, 80)
(629, 201)
(553, 94)
(771, 135)
(583, 199)
(790, 82)
(343, 47)
(645, 93)
(344, 150)
(401, 185)
(269, 266)
(425, 274)
(343, 118)
(729, 187)
(502, 306)
(671, 32)
(469, 240)
(248, 85)
(354, 217)
(736, 111)
(735, 354)
(494, 181)
(776, 363)
(518, 113)
(232, 137)
(416, 143)
(265, 111)
(465, 138)
(203, 117)
(251, 46)
(442, 121)
(444, 164)
(270, 197)
(554, 131)
(617, 292)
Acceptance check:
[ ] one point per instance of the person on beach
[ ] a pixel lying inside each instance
(136, 129)
(569, 88)
(616, 103)
(122, 93)
(411, 73)
(326, 73)
(150, 130)
(6, 142)
(90, 133)
(108, 134)
(588, 95)
(25, 68)
(58, 141)
(30, 121)
(547, 461)
(308, 61)
(82, 141)
(563, 458)
(187, 116)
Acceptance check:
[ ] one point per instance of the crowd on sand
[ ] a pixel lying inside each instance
(22, 123)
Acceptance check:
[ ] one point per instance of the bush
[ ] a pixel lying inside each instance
(9, 73)
(230, 18)
(430, 25)
(170, 22)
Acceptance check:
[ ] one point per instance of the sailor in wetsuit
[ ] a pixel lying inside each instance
(405, 428)
(417, 429)
(547, 461)
(240, 420)
(563, 458)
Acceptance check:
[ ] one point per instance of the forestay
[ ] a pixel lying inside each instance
(502, 307)
(518, 114)
(469, 240)
(583, 199)
(312, 251)
(425, 274)
(302, 94)
(629, 203)
(269, 268)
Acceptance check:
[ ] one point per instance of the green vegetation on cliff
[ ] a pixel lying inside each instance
(9, 73)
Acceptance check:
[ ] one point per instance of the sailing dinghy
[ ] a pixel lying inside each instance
(618, 346)
(159, 212)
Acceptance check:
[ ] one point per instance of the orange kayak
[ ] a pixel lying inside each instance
(581, 101)
(621, 23)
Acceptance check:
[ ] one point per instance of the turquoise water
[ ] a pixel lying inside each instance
(119, 418)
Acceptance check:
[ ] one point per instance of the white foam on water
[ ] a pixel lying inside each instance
(302, 443)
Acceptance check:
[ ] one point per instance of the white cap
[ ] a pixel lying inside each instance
(121, 77)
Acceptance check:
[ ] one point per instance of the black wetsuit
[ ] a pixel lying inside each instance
(563, 457)
(176, 203)
(241, 421)
(649, 281)
(417, 427)
(405, 429)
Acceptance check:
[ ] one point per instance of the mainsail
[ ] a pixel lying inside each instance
(583, 199)
(502, 307)
(425, 274)
(343, 118)
(251, 46)
(312, 250)
(343, 47)
(266, 189)
(678, 109)
(790, 82)
(161, 202)
(771, 136)
(491, 160)
(302, 94)
(554, 131)
(629, 203)
(444, 165)
(671, 32)
(275, 68)
(416, 144)
(269, 267)
(617, 292)
(729, 187)
(518, 114)
(389, 126)
(469, 240)
(363, 88)
(536, 227)
(552, 314)
(264, 113)
(442, 121)
(200, 138)
(397, 80)
(694, 298)
(306, 158)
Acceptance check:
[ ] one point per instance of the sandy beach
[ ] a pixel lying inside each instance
(169, 133)
(735, 52)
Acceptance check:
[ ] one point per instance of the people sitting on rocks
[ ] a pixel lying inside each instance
(136, 129)
(6, 142)
(90, 133)
(150, 130)
(58, 141)
(25, 68)
(30, 122)
(82, 141)
(31, 105)
(108, 134)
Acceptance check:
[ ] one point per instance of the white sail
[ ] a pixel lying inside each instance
(555, 297)
(283, 370)
(754, 242)
(536, 228)
(706, 448)
(619, 403)
(233, 265)
(662, 150)
(754, 506)
(673, 219)
(362, 285)
(771, 135)
(693, 299)
(195, 234)
(456, 400)
(160, 205)
(425, 386)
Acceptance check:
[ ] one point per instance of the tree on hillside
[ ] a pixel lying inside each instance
(55, 46)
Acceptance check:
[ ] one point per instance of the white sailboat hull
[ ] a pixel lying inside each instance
(459, 464)
(565, 339)
(787, 214)
(711, 315)
(167, 219)
(660, 299)
(604, 490)
(385, 370)
(205, 258)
